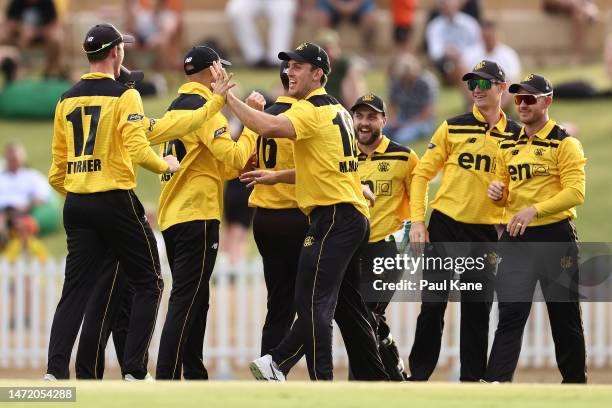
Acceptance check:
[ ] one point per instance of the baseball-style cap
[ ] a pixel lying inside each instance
(486, 70)
(310, 53)
(532, 83)
(371, 100)
(102, 36)
(129, 77)
(201, 57)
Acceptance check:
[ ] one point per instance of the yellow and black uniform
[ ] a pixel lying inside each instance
(328, 189)
(279, 228)
(110, 306)
(190, 208)
(464, 148)
(546, 171)
(98, 141)
(388, 173)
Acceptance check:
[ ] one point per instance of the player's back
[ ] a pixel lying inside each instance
(89, 127)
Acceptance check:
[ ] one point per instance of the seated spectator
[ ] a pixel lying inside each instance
(448, 36)
(493, 50)
(32, 22)
(360, 12)
(9, 63)
(582, 13)
(402, 12)
(346, 82)
(156, 24)
(413, 93)
(21, 190)
(280, 15)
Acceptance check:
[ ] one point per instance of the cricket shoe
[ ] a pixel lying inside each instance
(130, 378)
(265, 369)
(49, 377)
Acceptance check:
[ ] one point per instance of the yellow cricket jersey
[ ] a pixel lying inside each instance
(546, 171)
(275, 154)
(388, 172)
(98, 138)
(325, 153)
(195, 192)
(465, 149)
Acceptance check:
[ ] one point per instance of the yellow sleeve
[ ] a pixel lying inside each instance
(501, 174)
(131, 115)
(234, 154)
(570, 162)
(412, 163)
(229, 173)
(303, 116)
(430, 164)
(178, 123)
(57, 172)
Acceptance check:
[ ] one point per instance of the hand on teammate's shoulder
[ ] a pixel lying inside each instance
(173, 164)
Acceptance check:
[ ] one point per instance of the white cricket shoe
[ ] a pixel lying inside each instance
(131, 378)
(265, 369)
(49, 377)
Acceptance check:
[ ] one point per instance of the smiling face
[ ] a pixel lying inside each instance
(530, 114)
(303, 78)
(368, 124)
(488, 98)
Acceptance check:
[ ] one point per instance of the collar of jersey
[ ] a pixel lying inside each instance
(286, 99)
(382, 147)
(544, 132)
(318, 91)
(195, 88)
(97, 75)
(500, 125)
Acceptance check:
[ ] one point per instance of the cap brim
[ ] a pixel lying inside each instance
(369, 105)
(478, 75)
(225, 62)
(129, 39)
(288, 55)
(514, 88)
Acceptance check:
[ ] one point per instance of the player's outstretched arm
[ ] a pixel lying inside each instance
(268, 177)
(261, 123)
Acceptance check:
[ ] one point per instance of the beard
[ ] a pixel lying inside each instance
(375, 134)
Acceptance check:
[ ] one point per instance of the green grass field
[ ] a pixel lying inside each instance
(336, 395)
(590, 117)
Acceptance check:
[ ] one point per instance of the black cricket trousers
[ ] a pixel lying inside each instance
(475, 309)
(525, 262)
(192, 251)
(94, 224)
(327, 287)
(279, 235)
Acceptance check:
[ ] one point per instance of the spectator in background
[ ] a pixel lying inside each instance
(9, 63)
(156, 25)
(448, 36)
(402, 12)
(413, 93)
(470, 7)
(281, 20)
(582, 13)
(493, 50)
(32, 22)
(346, 82)
(608, 56)
(360, 12)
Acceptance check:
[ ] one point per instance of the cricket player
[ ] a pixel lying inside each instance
(464, 147)
(540, 179)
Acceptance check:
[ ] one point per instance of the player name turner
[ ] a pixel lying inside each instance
(450, 284)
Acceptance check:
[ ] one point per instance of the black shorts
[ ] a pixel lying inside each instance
(236, 208)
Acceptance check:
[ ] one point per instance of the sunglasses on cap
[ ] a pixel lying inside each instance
(529, 99)
(483, 84)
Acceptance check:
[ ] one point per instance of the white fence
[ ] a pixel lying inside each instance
(29, 293)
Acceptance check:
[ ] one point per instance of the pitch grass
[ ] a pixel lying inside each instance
(591, 118)
(322, 395)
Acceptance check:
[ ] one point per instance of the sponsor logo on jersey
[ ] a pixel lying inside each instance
(134, 117)
(220, 131)
(384, 167)
(308, 241)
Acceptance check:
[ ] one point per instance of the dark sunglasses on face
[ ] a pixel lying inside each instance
(529, 99)
(483, 84)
